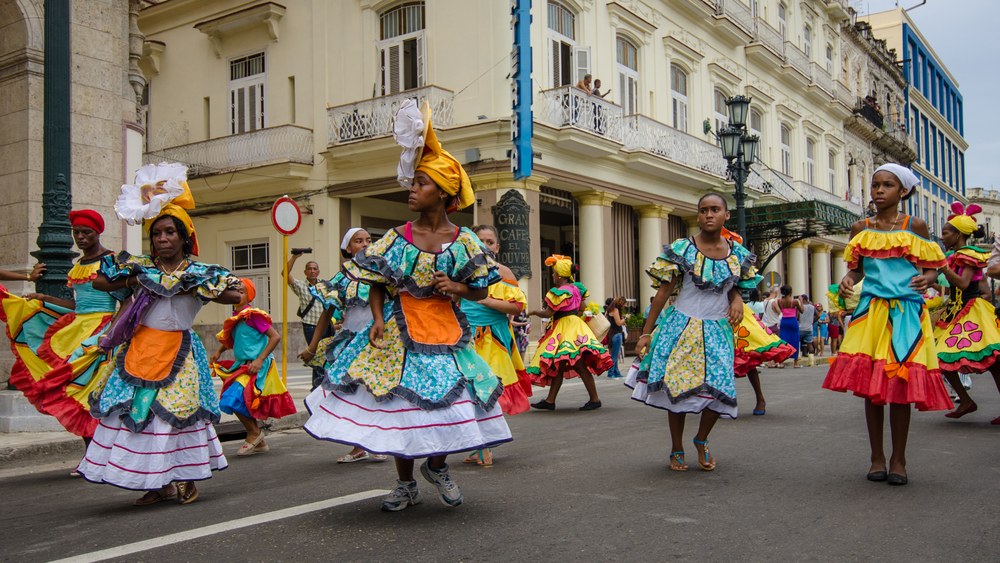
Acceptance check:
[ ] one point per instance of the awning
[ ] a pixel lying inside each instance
(795, 220)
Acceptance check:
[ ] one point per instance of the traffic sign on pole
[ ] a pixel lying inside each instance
(286, 218)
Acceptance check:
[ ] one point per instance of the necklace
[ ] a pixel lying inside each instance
(182, 264)
(893, 224)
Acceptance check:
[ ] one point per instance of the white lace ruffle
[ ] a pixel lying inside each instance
(408, 131)
(155, 186)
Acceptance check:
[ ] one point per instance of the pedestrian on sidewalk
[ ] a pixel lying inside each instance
(888, 355)
(494, 337)
(966, 335)
(309, 309)
(820, 330)
(55, 340)
(807, 317)
(410, 385)
(344, 298)
(616, 334)
(791, 308)
(252, 388)
(568, 348)
(687, 365)
(154, 399)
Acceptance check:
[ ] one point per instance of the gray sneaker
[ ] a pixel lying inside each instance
(405, 494)
(451, 495)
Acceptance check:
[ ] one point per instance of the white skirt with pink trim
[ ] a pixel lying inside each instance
(398, 428)
(154, 458)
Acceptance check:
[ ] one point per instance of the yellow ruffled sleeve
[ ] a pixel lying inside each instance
(506, 290)
(896, 244)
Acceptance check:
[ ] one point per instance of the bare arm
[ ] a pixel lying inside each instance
(288, 269)
(662, 295)
(65, 303)
(376, 298)
(545, 313)
(929, 276)
(36, 272)
(505, 307)
(960, 281)
(229, 297)
(846, 288)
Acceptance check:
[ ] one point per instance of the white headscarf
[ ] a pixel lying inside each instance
(347, 237)
(906, 176)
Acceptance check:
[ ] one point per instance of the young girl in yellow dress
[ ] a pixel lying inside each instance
(967, 335)
(888, 354)
(568, 348)
(252, 388)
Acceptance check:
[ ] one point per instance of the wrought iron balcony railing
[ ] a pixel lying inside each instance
(568, 106)
(272, 145)
(736, 11)
(645, 134)
(822, 78)
(372, 118)
(866, 110)
(795, 58)
(768, 36)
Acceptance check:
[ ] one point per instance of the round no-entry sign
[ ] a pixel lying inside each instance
(286, 216)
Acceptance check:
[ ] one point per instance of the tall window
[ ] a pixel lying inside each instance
(246, 93)
(720, 110)
(782, 19)
(628, 75)
(757, 125)
(786, 150)
(252, 260)
(829, 59)
(679, 97)
(807, 33)
(401, 48)
(568, 62)
(811, 162)
(833, 172)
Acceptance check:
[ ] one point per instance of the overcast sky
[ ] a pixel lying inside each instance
(963, 33)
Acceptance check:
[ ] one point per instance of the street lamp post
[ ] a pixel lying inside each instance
(739, 148)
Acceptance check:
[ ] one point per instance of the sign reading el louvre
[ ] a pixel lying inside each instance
(510, 217)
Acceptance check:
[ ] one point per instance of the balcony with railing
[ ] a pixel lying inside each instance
(866, 108)
(263, 147)
(768, 37)
(737, 13)
(648, 135)
(838, 9)
(568, 108)
(372, 118)
(822, 79)
(811, 192)
(796, 60)
(842, 94)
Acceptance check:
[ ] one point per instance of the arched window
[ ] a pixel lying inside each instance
(811, 162)
(807, 34)
(402, 65)
(786, 150)
(720, 110)
(833, 172)
(562, 21)
(679, 97)
(782, 19)
(568, 63)
(627, 58)
(757, 125)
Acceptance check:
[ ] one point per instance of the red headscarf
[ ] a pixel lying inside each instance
(87, 218)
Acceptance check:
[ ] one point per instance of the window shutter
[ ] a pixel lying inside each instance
(391, 68)
(682, 114)
(556, 63)
(623, 90)
(582, 55)
(633, 96)
(421, 61)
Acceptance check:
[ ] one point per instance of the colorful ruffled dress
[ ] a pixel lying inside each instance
(756, 344)
(968, 334)
(267, 397)
(348, 297)
(494, 342)
(888, 353)
(56, 348)
(691, 358)
(568, 340)
(155, 398)
(425, 392)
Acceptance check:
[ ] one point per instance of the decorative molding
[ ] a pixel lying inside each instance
(152, 51)
(685, 45)
(653, 211)
(760, 90)
(637, 24)
(821, 248)
(267, 13)
(595, 197)
(505, 181)
(727, 71)
(790, 110)
(812, 125)
(834, 142)
(801, 244)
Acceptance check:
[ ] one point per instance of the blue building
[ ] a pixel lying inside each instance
(934, 115)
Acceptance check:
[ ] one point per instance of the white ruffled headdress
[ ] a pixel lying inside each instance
(155, 186)
(408, 127)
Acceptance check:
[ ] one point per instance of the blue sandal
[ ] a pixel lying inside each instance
(677, 456)
(704, 464)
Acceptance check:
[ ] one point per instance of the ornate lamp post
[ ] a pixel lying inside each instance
(55, 238)
(739, 148)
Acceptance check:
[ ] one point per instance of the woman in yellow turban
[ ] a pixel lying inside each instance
(409, 384)
(568, 348)
(967, 335)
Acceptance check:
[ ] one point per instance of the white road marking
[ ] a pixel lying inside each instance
(219, 528)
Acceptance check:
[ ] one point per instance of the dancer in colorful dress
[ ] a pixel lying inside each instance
(687, 363)
(411, 385)
(755, 344)
(252, 388)
(155, 398)
(568, 348)
(888, 354)
(55, 340)
(494, 337)
(967, 334)
(345, 299)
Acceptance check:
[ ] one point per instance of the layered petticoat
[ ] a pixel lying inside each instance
(969, 342)
(756, 344)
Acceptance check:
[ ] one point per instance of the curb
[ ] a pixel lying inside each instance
(27, 452)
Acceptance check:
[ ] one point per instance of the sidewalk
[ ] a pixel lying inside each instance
(38, 447)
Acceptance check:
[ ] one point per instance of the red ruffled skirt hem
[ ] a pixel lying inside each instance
(549, 368)
(746, 361)
(970, 366)
(48, 396)
(515, 397)
(866, 378)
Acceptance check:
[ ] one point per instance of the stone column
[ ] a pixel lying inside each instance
(820, 273)
(839, 266)
(651, 241)
(692, 225)
(595, 266)
(797, 270)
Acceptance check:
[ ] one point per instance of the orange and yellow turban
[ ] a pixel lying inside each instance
(562, 265)
(445, 170)
(412, 129)
(962, 218)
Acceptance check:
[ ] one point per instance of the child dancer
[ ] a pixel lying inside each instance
(888, 354)
(568, 348)
(345, 299)
(410, 385)
(252, 387)
(494, 337)
(967, 337)
(687, 365)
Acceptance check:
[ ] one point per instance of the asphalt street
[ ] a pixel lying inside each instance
(573, 486)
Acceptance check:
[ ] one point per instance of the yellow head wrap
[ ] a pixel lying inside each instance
(446, 172)
(962, 218)
(561, 264)
(176, 208)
